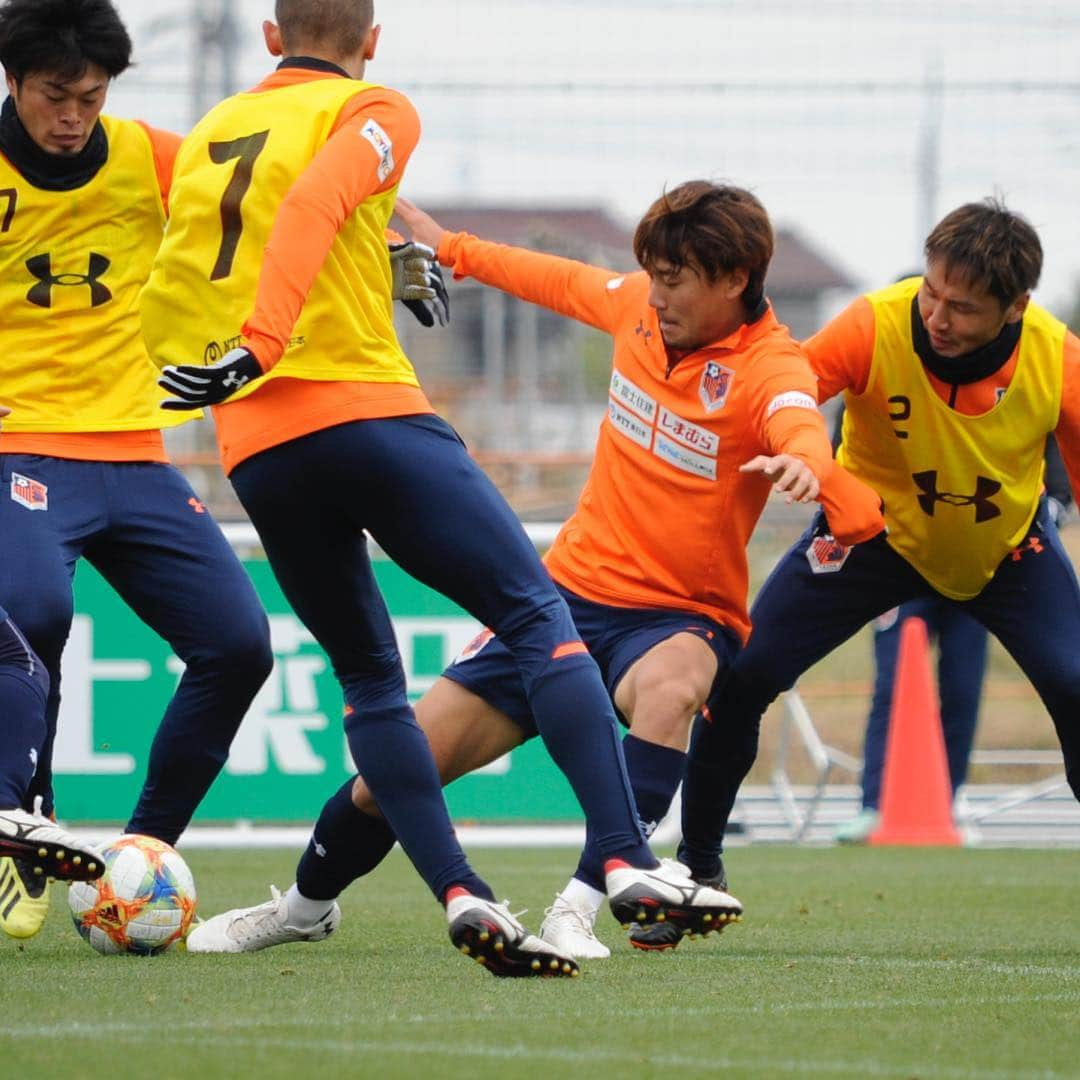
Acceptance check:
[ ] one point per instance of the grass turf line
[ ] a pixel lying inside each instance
(851, 962)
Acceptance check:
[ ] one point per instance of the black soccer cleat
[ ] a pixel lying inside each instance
(43, 846)
(662, 936)
(667, 894)
(488, 933)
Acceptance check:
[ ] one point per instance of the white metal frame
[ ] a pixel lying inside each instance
(798, 724)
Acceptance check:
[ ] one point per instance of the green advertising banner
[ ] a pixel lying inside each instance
(290, 752)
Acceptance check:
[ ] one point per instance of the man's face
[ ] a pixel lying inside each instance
(960, 317)
(693, 310)
(60, 116)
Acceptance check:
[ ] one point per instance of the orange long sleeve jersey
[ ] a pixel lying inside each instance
(842, 351)
(665, 515)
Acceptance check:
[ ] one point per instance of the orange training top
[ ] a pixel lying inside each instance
(665, 515)
(841, 352)
(340, 177)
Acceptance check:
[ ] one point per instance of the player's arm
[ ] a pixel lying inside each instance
(1067, 431)
(841, 351)
(165, 146)
(566, 286)
(364, 156)
(800, 458)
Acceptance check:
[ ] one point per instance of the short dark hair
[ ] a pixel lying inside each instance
(715, 227)
(62, 37)
(989, 246)
(341, 24)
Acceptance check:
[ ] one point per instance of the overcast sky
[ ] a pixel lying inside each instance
(824, 108)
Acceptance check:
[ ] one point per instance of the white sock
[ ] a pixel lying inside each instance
(304, 912)
(582, 896)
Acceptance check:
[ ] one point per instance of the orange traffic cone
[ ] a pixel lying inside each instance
(916, 797)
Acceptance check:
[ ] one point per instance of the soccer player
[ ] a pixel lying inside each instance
(84, 468)
(325, 432)
(952, 382)
(710, 398)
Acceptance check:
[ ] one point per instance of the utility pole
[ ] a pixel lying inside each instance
(215, 54)
(929, 157)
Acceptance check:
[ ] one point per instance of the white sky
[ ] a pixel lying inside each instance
(819, 106)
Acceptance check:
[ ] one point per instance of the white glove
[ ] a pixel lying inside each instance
(418, 282)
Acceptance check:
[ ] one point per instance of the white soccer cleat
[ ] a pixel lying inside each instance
(668, 894)
(254, 928)
(45, 848)
(569, 929)
(494, 938)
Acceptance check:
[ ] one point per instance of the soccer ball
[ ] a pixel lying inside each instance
(143, 903)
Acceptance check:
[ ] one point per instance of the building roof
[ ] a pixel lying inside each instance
(591, 232)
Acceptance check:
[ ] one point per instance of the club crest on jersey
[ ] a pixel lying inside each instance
(715, 384)
(826, 554)
(474, 646)
(29, 493)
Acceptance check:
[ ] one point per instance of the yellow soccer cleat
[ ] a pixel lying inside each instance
(24, 898)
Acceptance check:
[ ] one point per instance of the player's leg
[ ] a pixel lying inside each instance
(469, 546)
(319, 556)
(351, 836)
(808, 606)
(659, 667)
(37, 560)
(1032, 606)
(320, 559)
(24, 691)
(167, 559)
(39, 550)
(962, 649)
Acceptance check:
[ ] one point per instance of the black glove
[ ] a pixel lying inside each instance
(418, 282)
(196, 386)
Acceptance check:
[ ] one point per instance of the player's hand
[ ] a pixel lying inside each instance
(196, 386)
(423, 227)
(791, 476)
(4, 411)
(418, 282)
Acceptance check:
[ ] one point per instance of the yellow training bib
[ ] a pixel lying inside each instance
(232, 173)
(72, 357)
(960, 491)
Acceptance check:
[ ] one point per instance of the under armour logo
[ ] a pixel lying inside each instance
(640, 329)
(648, 827)
(41, 267)
(195, 505)
(33, 757)
(234, 381)
(319, 850)
(985, 510)
(1033, 545)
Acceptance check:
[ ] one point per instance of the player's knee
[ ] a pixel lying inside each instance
(243, 648)
(362, 798)
(664, 700)
(45, 622)
(541, 621)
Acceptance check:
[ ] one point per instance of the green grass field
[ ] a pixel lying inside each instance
(850, 963)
